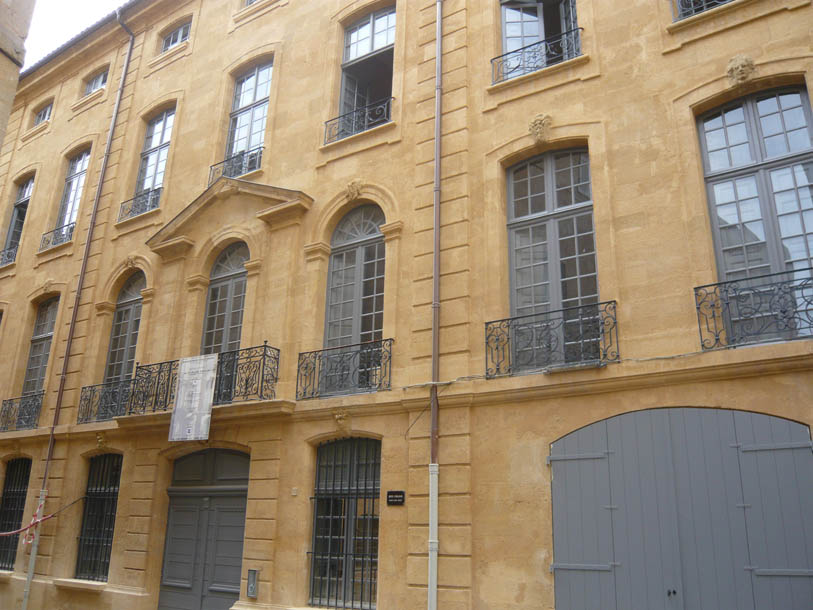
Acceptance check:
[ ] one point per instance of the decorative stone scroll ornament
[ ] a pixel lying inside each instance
(101, 440)
(353, 189)
(130, 262)
(539, 127)
(342, 418)
(740, 69)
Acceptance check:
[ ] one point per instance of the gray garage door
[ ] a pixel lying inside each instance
(689, 509)
(204, 543)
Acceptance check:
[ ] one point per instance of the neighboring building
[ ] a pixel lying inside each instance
(15, 17)
(625, 189)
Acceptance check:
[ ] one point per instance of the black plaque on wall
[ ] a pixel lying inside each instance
(395, 498)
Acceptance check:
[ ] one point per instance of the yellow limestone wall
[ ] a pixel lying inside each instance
(631, 99)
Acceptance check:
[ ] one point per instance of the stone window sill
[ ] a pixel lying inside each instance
(167, 57)
(35, 131)
(712, 13)
(255, 10)
(80, 585)
(511, 82)
(91, 99)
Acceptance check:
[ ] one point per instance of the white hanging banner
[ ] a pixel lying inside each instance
(193, 398)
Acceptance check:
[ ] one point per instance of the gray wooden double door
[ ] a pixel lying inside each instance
(204, 542)
(681, 508)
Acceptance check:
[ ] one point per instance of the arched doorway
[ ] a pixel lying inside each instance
(204, 543)
(684, 509)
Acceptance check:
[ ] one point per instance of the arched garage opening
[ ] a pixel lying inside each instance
(684, 509)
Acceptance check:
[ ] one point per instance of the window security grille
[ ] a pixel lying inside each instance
(99, 520)
(15, 488)
(344, 557)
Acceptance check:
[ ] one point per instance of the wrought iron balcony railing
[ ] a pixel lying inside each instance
(21, 413)
(140, 204)
(104, 401)
(364, 367)
(8, 256)
(774, 307)
(587, 334)
(237, 165)
(681, 9)
(536, 56)
(246, 374)
(358, 120)
(60, 235)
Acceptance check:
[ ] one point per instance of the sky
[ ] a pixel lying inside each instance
(57, 21)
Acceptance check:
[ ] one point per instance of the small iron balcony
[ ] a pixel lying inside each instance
(358, 120)
(21, 413)
(140, 204)
(773, 307)
(349, 369)
(583, 335)
(536, 56)
(681, 9)
(60, 235)
(104, 401)
(8, 256)
(246, 374)
(237, 165)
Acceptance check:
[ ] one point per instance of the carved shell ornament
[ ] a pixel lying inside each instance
(353, 189)
(740, 69)
(539, 127)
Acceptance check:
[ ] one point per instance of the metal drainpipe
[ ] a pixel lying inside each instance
(72, 328)
(432, 594)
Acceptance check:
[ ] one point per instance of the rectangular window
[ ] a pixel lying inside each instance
(72, 194)
(688, 8)
(176, 37)
(44, 114)
(536, 34)
(40, 346)
(15, 228)
(247, 121)
(15, 488)
(99, 519)
(95, 82)
(344, 557)
(366, 92)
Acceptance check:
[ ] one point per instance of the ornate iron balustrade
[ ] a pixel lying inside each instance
(60, 235)
(536, 56)
(104, 401)
(246, 374)
(21, 413)
(358, 120)
(237, 165)
(8, 256)
(585, 334)
(681, 9)
(774, 307)
(140, 204)
(364, 367)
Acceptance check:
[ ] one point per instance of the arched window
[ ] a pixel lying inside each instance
(15, 227)
(355, 291)
(124, 335)
(758, 159)
(12, 504)
(344, 561)
(225, 302)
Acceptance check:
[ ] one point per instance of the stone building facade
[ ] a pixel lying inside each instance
(625, 306)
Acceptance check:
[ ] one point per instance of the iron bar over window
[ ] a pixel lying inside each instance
(587, 334)
(774, 307)
(359, 119)
(237, 165)
(15, 488)
(15, 227)
(22, 413)
(344, 554)
(99, 519)
(689, 8)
